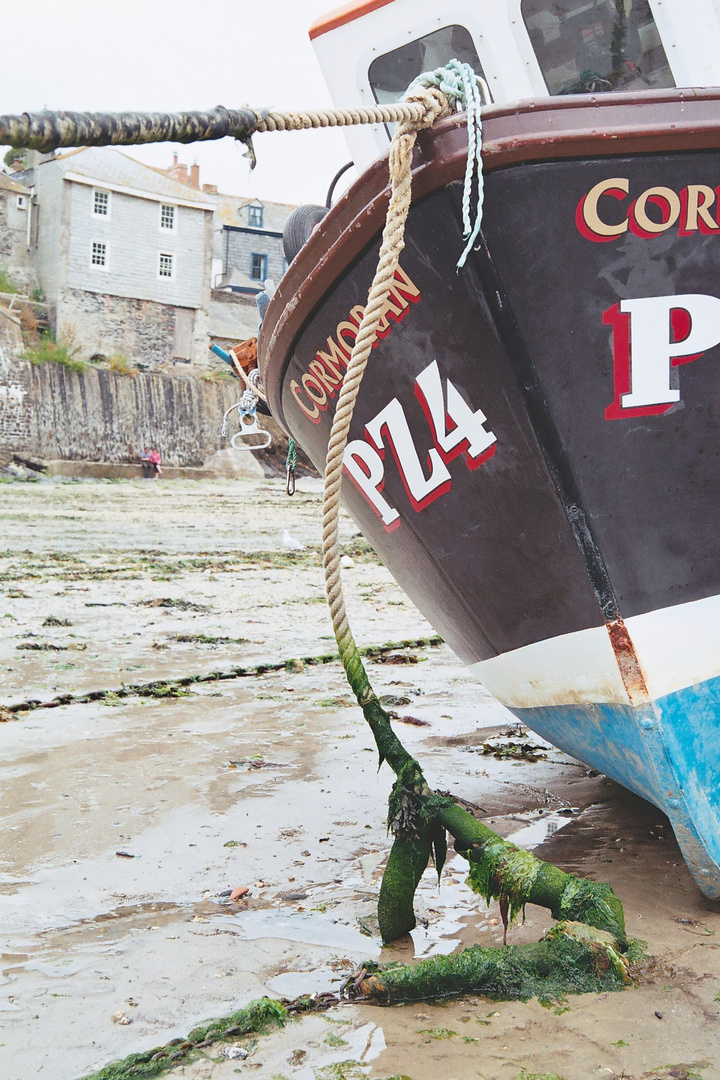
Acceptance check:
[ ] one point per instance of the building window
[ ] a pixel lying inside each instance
(258, 267)
(167, 217)
(101, 203)
(165, 267)
(255, 216)
(21, 202)
(99, 254)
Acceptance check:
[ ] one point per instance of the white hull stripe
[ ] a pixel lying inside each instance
(677, 647)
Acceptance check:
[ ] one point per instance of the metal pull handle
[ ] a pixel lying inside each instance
(247, 416)
(250, 426)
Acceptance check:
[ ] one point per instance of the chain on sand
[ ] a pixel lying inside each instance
(434, 105)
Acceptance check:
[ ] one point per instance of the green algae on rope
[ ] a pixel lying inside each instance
(258, 1017)
(157, 688)
(571, 958)
(498, 869)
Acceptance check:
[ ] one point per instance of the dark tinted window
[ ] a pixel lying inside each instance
(391, 74)
(590, 46)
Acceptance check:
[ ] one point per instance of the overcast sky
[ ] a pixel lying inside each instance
(181, 54)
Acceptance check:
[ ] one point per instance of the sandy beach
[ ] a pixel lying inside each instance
(126, 820)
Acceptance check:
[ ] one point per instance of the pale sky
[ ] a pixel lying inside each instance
(182, 54)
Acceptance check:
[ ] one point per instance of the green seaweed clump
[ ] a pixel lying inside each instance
(572, 958)
(504, 871)
(522, 1075)
(594, 903)
(257, 1017)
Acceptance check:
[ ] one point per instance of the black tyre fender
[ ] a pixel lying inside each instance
(299, 226)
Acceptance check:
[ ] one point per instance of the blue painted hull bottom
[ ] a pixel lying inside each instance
(668, 752)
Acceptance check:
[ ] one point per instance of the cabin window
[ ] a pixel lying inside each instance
(391, 74)
(592, 46)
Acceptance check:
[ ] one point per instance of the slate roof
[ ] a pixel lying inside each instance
(233, 321)
(108, 165)
(8, 183)
(230, 210)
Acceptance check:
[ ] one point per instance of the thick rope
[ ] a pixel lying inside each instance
(47, 131)
(434, 104)
(403, 111)
(432, 95)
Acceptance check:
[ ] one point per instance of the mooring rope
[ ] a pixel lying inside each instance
(433, 95)
(437, 94)
(46, 131)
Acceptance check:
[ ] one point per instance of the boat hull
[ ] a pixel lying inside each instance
(534, 450)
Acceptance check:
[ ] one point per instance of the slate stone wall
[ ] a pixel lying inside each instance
(51, 412)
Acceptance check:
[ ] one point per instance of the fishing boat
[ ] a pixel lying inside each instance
(535, 449)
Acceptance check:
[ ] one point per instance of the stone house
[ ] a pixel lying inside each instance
(247, 249)
(16, 232)
(248, 246)
(123, 254)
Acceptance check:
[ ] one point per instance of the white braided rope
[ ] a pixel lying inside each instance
(434, 105)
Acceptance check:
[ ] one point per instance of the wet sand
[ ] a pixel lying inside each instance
(271, 781)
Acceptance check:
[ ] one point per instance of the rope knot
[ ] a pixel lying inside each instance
(434, 101)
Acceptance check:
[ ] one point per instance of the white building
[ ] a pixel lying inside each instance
(124, 256)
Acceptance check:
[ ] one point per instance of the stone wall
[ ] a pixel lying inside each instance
(14, 255)
(100, 324)
(50, 412)
(241, 244)
(15, 416)
(141, 330)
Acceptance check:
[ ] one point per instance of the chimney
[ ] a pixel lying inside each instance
(194, 180)
(210, 189)
(174, 159)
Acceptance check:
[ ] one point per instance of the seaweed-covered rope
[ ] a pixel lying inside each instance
(47, 131)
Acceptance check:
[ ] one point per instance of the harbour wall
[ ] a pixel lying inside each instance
(49, 412)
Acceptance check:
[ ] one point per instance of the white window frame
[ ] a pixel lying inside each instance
(171, 229)
(21, 202)
(108, 195)
(105, 267)
(173, 266)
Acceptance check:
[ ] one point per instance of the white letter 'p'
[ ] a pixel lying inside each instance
(652, 348)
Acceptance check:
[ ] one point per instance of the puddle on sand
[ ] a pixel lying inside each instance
(310, 928)
(541, 829)
(292, 984)
(363, 1045)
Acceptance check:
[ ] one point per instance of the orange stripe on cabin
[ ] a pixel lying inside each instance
(345, 14)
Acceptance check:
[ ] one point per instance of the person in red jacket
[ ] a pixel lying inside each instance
(155, 459)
